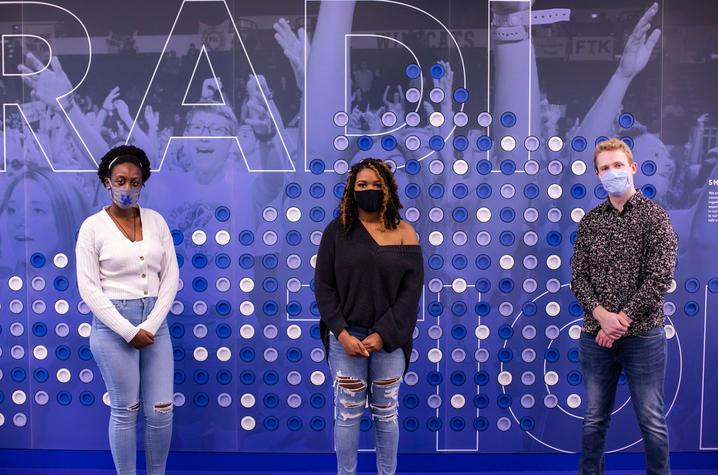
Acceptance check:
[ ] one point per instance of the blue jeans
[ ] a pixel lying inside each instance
(352, 377)
(136, 378)
(643, 359)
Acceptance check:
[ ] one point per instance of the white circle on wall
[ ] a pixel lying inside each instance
(294, 214)
(578, 167)
(62, 307)
(84, 330)
(436, 119)
(506, 262)
(246, 308)
(483, 215)
(248, 423)
(460, 167)
(60, 260)
(246, 331)
(224, 354)
(200, 353)
(458, 285)
(436, 238)
(222, 237)
(199, 237)
(508, 143)
(461, 119)
(15, 283)
(555, 143)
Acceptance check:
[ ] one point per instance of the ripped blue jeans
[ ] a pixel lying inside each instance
(358, 381)
(135, 380)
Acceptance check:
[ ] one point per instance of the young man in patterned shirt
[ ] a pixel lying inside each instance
(622, 266)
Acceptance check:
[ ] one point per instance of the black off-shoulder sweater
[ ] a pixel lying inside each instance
(359, 282)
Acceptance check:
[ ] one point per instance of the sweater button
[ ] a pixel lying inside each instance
(142, 258)
(144, 275)
(146, 292)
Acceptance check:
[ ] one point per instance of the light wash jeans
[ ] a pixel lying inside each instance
(355, 378)
(136, 378)
(643, 359)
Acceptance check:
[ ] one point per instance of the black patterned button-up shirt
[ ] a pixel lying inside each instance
(624, 261)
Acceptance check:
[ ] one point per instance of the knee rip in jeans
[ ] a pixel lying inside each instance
(163, 407)
(351, 397)
(390, 387)
(134, 407)
(385, 412)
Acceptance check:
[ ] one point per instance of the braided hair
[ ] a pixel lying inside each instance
(389, 213)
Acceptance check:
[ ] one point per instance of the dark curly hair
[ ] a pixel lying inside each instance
(389, 214)
(124, 154)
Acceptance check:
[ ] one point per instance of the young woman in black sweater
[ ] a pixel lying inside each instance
(368, 281)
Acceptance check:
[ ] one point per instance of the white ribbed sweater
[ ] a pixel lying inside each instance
(110, 266)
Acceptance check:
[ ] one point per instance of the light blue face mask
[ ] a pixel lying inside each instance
(125, 199)
(615, 182)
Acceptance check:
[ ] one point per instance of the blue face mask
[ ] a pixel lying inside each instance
(615, 182)
(125, 199)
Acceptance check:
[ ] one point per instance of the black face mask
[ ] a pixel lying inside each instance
(369, 200)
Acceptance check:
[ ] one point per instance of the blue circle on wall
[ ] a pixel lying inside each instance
(459, 261)
(507, 214)
(579, 143)
(317, 423)
(506, 285)
(61, 283)
(222, 260)
(648, 167)
(505, 355)
(460, 191)
(199, 261)
(483, 191)
(412, 166)
(504, 401)
(412, 71)
(18, 375)
(39, 329)
(483, 285)
(626, 120)
(508, 119)
(317, 401)
(436, 190)
(412, 190)
(294, 423)
(482, 308)
(484, 167)
(553, 238)
(481, 378)
(649, 191)
(457, 424)
(223, 330)
(41, 375)
(271, 423)
(527, 423)
(37, 260)
(270, 377)
(411, 424)
(62, 352)
(460, 214)
(87, 398)
(484, 143)
(461, 95)
(364, 143)
(433, 424)
(179, 377)
(317, 166)
(600, 192)
(84, 353)
(293, 190)
(64, 398)
(316, 190)
(458, 332)
(178, 353)
(507, 238)
(270, 261)
(388, 143)
(460, 143)
(481, 401)
(411, 401)
(246, 261)
(436, 143)
(531, 191)
(222, 213)
(200, 399)
(481, 423)
(199, 284)
(529, 309)
(436, 71)
(483, 261)
(508, 167)
(247, 377)
(692, 285)
(578, 191)
(552, 355)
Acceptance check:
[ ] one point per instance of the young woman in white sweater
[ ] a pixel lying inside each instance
(128, 275)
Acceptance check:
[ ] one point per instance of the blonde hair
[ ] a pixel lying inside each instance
(610, 146)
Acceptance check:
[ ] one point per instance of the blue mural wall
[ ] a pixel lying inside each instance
(251, 113)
